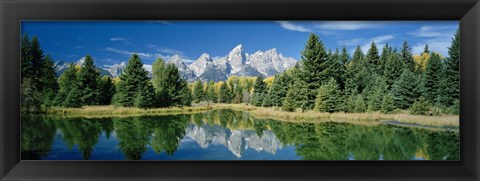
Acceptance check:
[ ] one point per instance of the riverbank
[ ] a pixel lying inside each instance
(368, 118)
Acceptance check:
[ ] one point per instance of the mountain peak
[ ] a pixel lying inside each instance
(205, 56)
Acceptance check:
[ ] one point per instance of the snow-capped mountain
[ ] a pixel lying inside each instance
(236, 62)
(62, 66)
(183, 69)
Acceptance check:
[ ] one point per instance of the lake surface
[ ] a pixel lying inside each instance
(226, 135)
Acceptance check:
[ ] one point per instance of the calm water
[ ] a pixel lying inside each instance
(226, 135)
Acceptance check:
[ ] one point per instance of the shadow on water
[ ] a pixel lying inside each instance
(226, 135)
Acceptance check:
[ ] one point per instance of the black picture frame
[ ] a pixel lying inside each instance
(14, 11)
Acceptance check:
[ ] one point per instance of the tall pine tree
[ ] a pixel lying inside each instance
(88, 80)
(132, 80)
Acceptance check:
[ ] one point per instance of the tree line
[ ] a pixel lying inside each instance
(82, 85)
(322, 80)
(329, 81)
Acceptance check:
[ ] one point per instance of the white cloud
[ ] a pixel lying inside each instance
(145, 55)
(439, 45)
(380, 41)
(346, 25)
(438, 38)
(121, 39)
(169, 52)
(118, 39)
(434, 31)
(292, 27)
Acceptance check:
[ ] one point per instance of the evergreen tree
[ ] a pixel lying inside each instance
(426, 49)
(198, 93)
(210, 94)
(452, 76)
(335, 69)
(88, 80)
(372, 59)
(386, 52)
(107, 90)
(404, 90)
(406, 54)
(376, 93)
(224, 95)
(360, 105)
(393, 68)
(420, 107)
(67, 81)
(388, 103)
(36, 62)
(279, 89)
(145, 97)
(26, 59)
(49, 81)
(170, 88)
(259, 91)
(30, 97)
(358, 71)
(312, 70)
(433, 77)
(133, 78)
(73, 97)
(328, 97)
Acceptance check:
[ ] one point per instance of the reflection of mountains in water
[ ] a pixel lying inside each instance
(237, 141)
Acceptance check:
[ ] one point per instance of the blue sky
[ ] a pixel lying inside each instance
(110, 42)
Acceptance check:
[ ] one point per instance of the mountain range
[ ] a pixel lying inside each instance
(237, 62)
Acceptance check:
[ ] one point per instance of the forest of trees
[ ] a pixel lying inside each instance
(323, 80)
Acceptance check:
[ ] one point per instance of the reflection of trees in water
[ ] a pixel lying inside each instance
(133, 135)
(339, 141)
(82, 132)
(326, 141)
(37, 137)
(168, 132)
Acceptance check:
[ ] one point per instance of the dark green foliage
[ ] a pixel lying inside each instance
(224, 95)
(406, 54)
(426, 50)
(198, 92)
(145, 97)
(259, 91)
(328, 97)
(420, 107)
(279, 89)
(386, 52)
(404, 90)
(372, 59)
(393, 68)
(433, 78)
(30, 97)
(375, 94)
(388, 103)
(171, 89)
(452, 76)
(312, 71)
(48, 81)
(360, 105)
(107, 90)
(67, 82)
(73, 98)
(335, 69)
(40, 72)
(210, 94)
(133, 78)
(88, 81)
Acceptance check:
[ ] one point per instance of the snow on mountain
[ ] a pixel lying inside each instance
(270, 62)
(236, 62)
(116, 69)
(183, 69)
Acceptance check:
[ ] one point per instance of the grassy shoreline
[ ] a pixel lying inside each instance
(368, 118)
